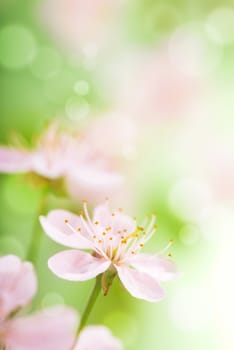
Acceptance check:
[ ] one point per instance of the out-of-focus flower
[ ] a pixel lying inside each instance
(50, 158)
(94, 182)
(76, 23)
(107, 145)
(113, 135)
(116, 242)
(98, 338)
(52, 328)
(87, 171)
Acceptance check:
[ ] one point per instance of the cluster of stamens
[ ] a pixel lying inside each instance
(114, 243)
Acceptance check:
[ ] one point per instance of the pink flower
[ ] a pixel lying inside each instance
(75, 23)
(115, 241)
(49, 329)
(113, 135)
(50, 158)
(59, 154)
(106, 146)
(94, 182)
(98, 338)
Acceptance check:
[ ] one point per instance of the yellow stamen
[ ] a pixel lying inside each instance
(134, 234)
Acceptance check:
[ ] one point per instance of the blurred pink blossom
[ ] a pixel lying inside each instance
(52, 328)
(154, 88)
(76, 23)
(50, 158)
(88, 171)
(98, 338)
(113, 135)
(116, 242)
(106, 147)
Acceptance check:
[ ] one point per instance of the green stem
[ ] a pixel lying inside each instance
(36, 233)
(92, 299)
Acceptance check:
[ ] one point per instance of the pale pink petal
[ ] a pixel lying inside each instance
(18, 284)
(50, 329)
(114, 218)
(160, 268)
(75, 265)
(93, 184)
(98, 338)
(140, 285)
(14, 160)
(55, 227)
(47, 166)
(102, 214)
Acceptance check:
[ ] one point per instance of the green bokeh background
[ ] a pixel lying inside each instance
(29, 99)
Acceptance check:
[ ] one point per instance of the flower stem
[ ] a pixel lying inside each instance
(34, 244)
(92, 299)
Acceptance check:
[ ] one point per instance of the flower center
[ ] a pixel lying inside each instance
(114, 241)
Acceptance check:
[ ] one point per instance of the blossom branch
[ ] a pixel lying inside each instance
(92, 299)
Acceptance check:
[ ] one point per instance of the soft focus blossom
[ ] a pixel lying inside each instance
(58, 154)
(98, 338)
(50, 158)
(116, 242)
(107, 146)
(76, 23)
(52, 328)
(113, 135)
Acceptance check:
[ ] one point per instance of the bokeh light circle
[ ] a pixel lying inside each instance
(17, 46)
(52, 299)
(222, 19)
(77, 109)
(189, 199)
(194, 51)
(81, 87)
